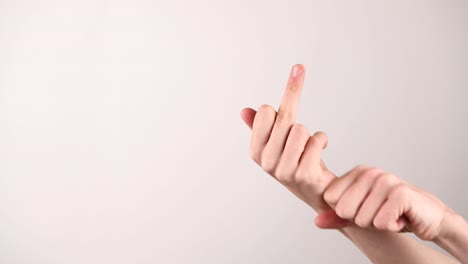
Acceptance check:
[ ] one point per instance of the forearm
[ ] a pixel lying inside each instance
(454, 236)
(386, 247)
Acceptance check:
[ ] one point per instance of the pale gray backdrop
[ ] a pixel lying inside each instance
(121, 140)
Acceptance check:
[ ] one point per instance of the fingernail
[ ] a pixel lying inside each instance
(297, 71)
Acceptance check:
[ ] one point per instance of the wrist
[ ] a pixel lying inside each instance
(451, 225)
(453, 236)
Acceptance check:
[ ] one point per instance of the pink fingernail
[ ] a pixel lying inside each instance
(297, 71)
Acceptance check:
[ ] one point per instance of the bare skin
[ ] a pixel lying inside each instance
(292, 156)
(374, 199)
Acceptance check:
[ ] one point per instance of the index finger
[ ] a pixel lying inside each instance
(290, 101)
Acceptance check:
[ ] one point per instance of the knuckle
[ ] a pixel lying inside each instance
(298, 131)
(284, 176)
(285, 179)
(330, 197)
(284, 116)
(266, 113)
(360, 167)
(401, 190)
(386, 180)
(254, 155)
(294, 87)
(382, 221)
(319, 139)
(265, 108)
(379, 223)
(370, 173)
(268, 169)
(322, 135)
(367, 177)
(312, 141)
(376, 170)
(341, 211)
(361, 221)
(268, 165)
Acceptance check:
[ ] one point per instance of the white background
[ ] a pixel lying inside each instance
(121, 140)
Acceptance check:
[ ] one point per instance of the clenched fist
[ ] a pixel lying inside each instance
(286, 150)
(372, 198)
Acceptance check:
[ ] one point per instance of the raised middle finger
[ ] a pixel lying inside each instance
(285, 118)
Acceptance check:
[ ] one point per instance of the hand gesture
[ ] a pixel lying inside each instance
(372, 198)
(286, 150)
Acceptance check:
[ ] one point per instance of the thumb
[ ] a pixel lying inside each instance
(248, 115)
(329, 220)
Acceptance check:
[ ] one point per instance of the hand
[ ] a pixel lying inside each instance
(372, 198)
(286, 150)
